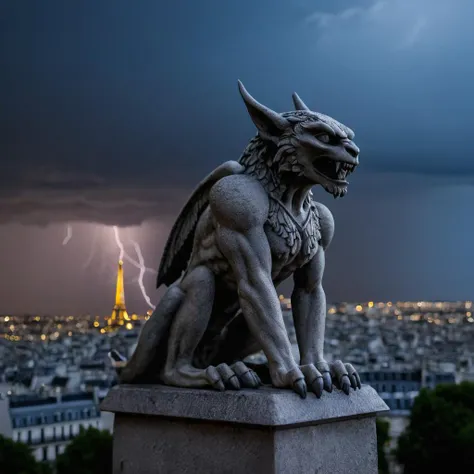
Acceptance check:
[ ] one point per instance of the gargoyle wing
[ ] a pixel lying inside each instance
(179, 245)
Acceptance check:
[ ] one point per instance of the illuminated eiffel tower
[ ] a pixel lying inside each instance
(119, 313)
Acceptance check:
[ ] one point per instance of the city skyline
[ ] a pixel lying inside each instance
(111, 115)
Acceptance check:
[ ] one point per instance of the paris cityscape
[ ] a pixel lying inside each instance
(56, 369)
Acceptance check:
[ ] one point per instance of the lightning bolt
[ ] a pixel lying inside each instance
(119, 242)
(140, 264)
(68, 235)
(138, 250)
(125, 256)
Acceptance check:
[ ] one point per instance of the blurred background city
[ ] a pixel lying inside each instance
(56, 369)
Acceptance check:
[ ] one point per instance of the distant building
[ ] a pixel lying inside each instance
(47, 424)
(399, 388)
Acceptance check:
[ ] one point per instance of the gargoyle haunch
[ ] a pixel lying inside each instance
(247, 227)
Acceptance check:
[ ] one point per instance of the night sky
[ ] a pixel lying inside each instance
(111, 111)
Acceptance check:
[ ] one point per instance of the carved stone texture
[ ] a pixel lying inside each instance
(247, 227)
(170, 430)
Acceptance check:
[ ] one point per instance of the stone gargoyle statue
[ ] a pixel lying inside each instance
(246, 228)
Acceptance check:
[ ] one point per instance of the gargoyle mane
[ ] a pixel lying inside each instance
(266, 161)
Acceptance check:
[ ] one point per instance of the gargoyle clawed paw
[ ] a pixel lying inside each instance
(233, 377)
(223, 377)
(343, 376)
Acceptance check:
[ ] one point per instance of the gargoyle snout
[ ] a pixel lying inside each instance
(351, 148)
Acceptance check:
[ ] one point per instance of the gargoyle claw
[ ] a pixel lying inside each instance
(353, 376)
(256, 379)
(247, 377)
(234, 382)
(345, 384)
(325, 370)
(215, 378)
(327, 381)
(313, 378)
(317, 387)
(250, 379)
(299, 386)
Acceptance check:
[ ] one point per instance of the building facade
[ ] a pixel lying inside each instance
(47, 424)
(399, 388)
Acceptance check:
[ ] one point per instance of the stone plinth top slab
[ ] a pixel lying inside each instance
(265, 406)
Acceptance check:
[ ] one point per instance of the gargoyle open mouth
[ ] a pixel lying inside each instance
(336, 171)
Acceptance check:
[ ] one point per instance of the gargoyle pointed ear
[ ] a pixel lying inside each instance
(270, 124)
(299, 104)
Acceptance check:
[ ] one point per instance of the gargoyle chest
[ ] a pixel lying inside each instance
(291, 241)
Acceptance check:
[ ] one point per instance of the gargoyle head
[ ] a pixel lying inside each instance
(311, 146)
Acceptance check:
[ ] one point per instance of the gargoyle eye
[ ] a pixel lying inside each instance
(325, 138)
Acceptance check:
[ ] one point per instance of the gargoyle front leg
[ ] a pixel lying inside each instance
(308, 302)
(249, 255)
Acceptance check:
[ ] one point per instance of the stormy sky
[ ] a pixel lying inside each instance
(111, 112)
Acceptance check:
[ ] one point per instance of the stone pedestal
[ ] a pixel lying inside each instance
(168, 430)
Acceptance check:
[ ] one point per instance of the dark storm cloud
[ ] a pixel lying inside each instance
(111, 111)
(107, 108)
(48, 196)
(110, 206)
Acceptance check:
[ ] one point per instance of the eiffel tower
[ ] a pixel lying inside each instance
(119, 313)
